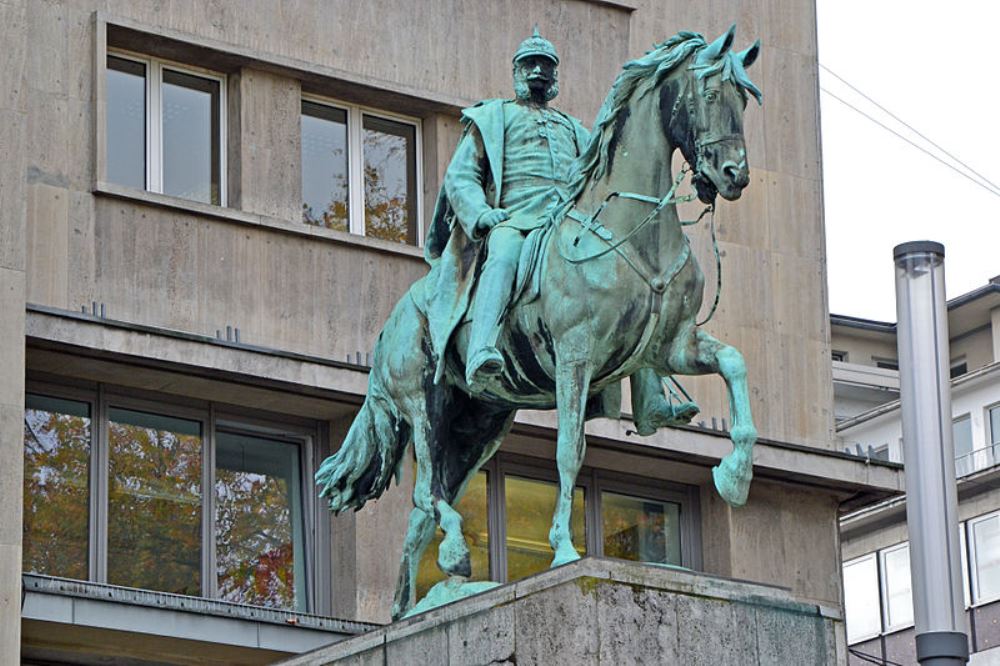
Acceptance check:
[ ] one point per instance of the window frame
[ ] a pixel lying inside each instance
(306, 434)
(887, 626)
(593, 482)
(154, 127)
(355, 159)
(874, 556)
(992, 438)
(973, 560)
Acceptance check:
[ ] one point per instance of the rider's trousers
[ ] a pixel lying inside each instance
(496, 282)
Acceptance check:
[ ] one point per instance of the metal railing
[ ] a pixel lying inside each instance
(977, 459)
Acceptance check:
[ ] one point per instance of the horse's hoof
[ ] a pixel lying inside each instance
(454, 559)
(565, 557)
(733, 488)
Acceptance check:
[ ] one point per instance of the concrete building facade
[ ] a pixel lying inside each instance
(186, 326)
(874, 538)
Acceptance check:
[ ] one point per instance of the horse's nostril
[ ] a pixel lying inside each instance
(735, 174)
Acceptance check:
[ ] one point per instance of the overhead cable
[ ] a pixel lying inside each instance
(951, 166)
(908, 126)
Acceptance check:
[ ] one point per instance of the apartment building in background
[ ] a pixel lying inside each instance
(874, 539)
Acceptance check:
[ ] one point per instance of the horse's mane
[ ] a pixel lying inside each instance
(639, 77)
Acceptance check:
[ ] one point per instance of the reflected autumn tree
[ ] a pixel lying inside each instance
(386, 191)
(56, 493)
(154, 509)
(254, 539)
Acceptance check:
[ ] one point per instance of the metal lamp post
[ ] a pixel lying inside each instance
(931, 494)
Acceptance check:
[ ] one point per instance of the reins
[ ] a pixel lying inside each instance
(657, 283)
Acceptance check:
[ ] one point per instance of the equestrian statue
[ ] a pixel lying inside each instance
(559, 267)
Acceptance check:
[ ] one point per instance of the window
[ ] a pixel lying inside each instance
(838, 355)
(57, 435)
(958, 367)
(961, 432)
(994, 421)
(507, 512)
(195, 502)
(984, 537)
(896, 594)
(359, 171)
(886, 363)
(164, 128)
(861, 598)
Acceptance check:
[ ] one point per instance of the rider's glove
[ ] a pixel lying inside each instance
(490, 219)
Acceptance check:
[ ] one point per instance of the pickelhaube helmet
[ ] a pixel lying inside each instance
(536, 45)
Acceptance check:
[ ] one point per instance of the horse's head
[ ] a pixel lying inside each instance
(703, 115)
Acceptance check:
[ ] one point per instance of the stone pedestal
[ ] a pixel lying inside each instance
(599, 611)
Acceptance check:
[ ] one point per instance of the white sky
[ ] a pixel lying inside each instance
(933, 64)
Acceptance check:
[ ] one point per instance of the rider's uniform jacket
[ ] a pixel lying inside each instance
(532, 161)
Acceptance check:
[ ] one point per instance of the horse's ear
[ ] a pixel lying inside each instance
(719, 46)
(749, 56)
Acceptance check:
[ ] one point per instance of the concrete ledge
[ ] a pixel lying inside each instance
(598, 611)
(64, 603)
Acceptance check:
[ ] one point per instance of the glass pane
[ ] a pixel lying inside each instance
(154, 502)
(126, 122)
(986, 546)
(961, 430)
(861, 599)
(899, 600)
(191, 137)
(530, 505)
(475, 527)
(324, 166)
(965, 565)
(56, 486)
(640, 529)
(258, 522)
(995, 425)
(390, 152)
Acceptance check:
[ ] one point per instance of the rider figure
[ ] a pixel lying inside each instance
(539, 145)
(528, 147)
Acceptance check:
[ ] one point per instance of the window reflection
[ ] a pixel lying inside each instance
(986, 546)
(324, 166)
(641, 530)
(154, 502)
(530, 505)
(258, 521)
(191, 137)
(126, 122)
(56, 493)
(861, 600)
(475, 527)
(899, 599)
(390, 168)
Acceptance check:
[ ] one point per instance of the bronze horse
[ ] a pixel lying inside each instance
(617, 293)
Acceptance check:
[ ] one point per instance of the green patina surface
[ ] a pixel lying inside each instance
(559, 267)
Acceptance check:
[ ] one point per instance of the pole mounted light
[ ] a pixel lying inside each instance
(929, 455)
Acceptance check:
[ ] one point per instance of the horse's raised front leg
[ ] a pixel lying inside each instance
(572, 385)
(698, 353)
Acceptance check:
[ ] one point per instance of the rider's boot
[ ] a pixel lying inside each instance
(492, 298)
(650, 408)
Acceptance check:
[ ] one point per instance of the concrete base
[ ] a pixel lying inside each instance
(598, 611)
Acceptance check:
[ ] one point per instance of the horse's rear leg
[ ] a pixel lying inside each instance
(698, 353)
(419, 534)
(428, 496)
(572, 384)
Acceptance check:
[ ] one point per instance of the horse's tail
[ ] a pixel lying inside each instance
(370, 456)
